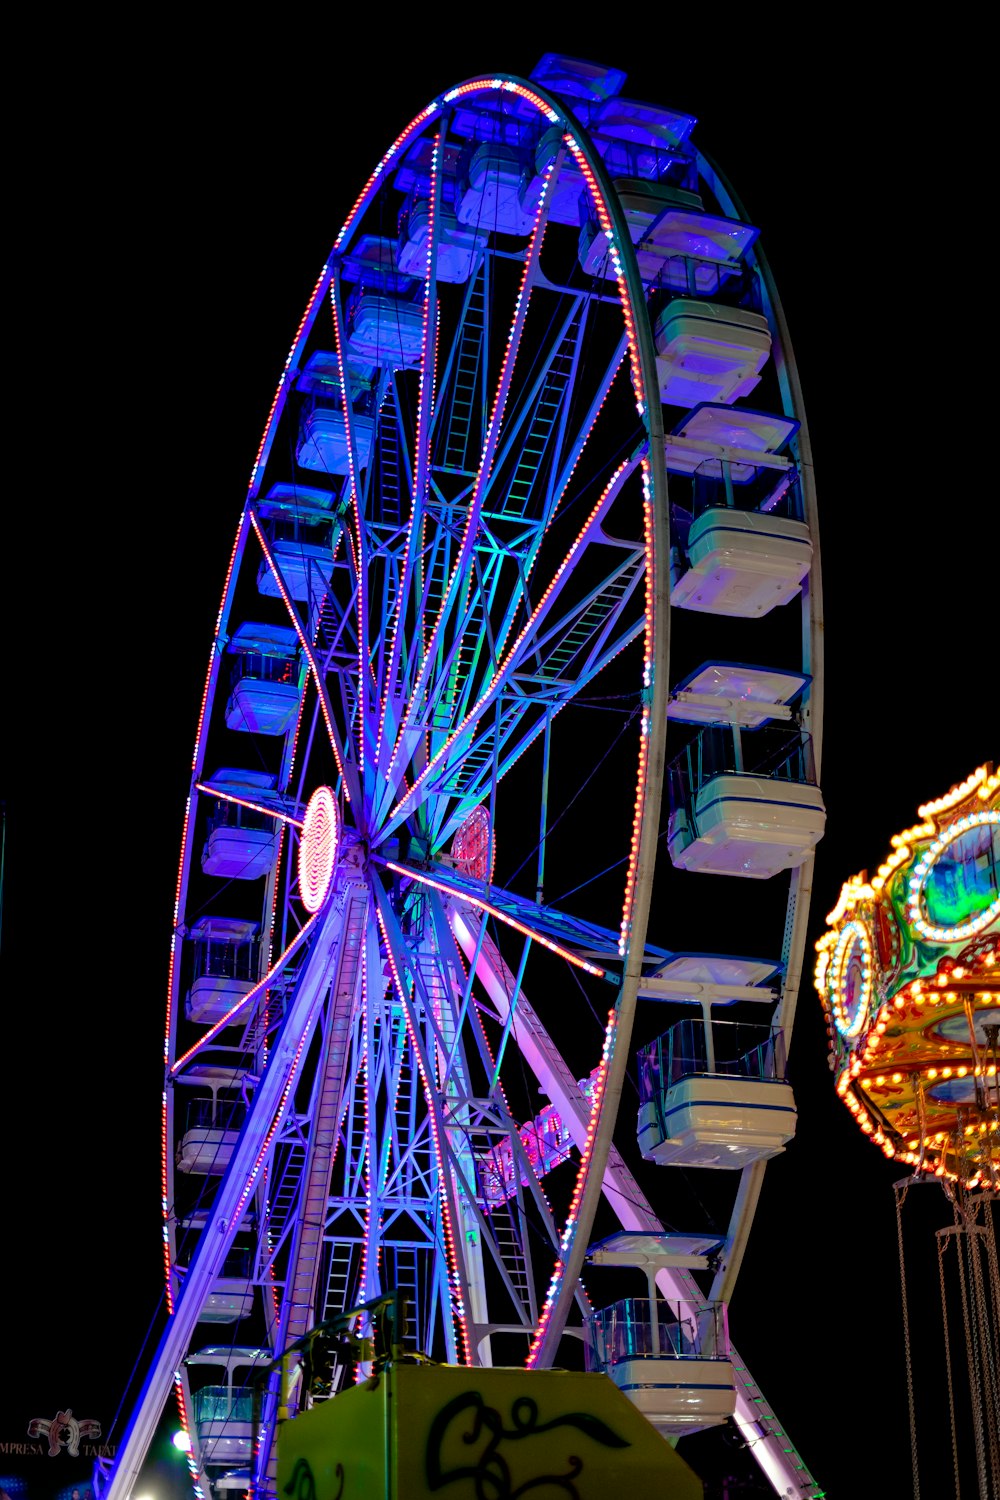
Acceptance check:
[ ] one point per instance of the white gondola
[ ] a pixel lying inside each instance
(304, 567)
(241, 842)
(492, 191)
(566, 201)
(298, 525)
(747, 548)
(224, 967)
(213, 1119)
(320, 376)
(265, 688)
(384, 329)
(232, 1482)
(324, 443)
(743, 794)
(685, 249)
(708, 352)
(457, 248)
(746, 825)
(299, 530)
(669, 1355)
(231, 1296)
(738, 822)
(717, 1121)
(742, 563)
(713, 1093)
(644, 204)
(224, 1410)
(678, 245)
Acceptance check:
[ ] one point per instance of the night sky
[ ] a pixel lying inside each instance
(170, 229)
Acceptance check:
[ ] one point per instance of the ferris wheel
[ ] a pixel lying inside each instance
(441, 1014)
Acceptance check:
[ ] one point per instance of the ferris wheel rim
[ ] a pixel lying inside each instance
(655, 697)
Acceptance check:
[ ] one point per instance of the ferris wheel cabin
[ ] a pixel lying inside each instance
(742, 793)
(265, 678)
(241, 836)
(299, 528)
(213, 1118)
(222, 1379)
(669, 1355)
(225, 958)
(231, 1297)
(714, 1093)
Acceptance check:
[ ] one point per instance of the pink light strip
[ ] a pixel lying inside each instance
(355, 502)
(269, 978)
(501, 85)
(248, 1186)
(167, 1035)
(485, 469)
(606, 223)
(425, 402)
(186, 1428)
(647, 682)
(364, 666)
(270, 812)
(164, 1201)
(501, 916)
(273, 921)
(569, 1229)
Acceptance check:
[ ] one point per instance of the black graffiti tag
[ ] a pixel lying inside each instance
(491, 1472)
(302, 1485)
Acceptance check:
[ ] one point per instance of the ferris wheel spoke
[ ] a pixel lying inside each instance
(551, 929)
(421, 694)
(557, 653)
(478, 1143)
(427, 1039)
(419, 461)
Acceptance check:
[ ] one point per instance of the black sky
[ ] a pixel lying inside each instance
(171, 218)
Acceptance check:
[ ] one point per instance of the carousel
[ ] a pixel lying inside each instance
(908, 974)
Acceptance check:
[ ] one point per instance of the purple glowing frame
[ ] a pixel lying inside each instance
(422, 641)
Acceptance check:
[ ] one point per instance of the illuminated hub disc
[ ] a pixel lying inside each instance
(318, 848)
